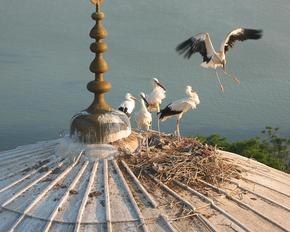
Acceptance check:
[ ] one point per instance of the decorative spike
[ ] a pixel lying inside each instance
(99, 123)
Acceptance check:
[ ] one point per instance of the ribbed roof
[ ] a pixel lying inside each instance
(60, 186)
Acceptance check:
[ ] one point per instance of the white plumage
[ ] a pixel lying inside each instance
(179, 107)
(202, 44)
(128, 105)
(154, 99)
(143, 116)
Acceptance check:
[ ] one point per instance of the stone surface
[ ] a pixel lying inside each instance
(58, 185)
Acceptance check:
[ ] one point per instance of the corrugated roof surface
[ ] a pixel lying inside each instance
(58, 186)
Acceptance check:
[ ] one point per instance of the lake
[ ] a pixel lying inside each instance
(44, 59)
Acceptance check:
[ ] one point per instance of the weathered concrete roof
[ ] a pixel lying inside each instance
(59, 186)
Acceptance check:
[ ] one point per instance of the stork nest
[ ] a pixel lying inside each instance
(188, 161)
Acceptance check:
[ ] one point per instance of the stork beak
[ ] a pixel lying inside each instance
(144, 99)
(159, 84)
(134, 98)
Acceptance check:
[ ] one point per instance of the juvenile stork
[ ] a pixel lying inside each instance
(128, 105)
(179, 107)
(144, 118)
(201, 43)
(154, 99)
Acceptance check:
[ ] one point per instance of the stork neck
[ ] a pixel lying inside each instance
(143, 106)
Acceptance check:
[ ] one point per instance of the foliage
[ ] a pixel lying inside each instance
(271, 148)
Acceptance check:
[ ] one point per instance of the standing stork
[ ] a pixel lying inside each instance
(144, 118)
(201, 43)
(128, 105)
(153, 100)
(179, 107)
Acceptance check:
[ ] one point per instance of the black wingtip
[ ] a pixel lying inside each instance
(182, 47)
(253, 33)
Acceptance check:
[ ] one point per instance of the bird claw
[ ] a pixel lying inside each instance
(222, 88)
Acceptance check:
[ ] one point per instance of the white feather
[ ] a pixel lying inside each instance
(143, 117)
(156, 96)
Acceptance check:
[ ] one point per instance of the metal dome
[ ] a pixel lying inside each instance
(58, 185)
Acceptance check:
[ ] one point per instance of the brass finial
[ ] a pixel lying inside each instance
(98, 66)
(99, 123)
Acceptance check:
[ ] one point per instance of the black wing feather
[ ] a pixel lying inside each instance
(167, 111)
(125, 110)
(191, 46)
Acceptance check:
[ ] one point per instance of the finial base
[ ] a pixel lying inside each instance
(100, 128)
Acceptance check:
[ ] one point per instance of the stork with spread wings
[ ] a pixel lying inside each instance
(202, 44)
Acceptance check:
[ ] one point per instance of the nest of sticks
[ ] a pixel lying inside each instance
(188, 161)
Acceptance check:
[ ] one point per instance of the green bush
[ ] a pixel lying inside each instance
(271, 149)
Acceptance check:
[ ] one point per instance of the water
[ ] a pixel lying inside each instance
(44, 59)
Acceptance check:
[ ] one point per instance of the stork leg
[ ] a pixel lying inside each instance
(147, 145)
(177, 129)
(235, 79)
(158, 125)
(158, 122)
(219, 81)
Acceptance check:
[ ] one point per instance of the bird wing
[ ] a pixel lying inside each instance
(127, 106)
(181, 105)
(200, 43)
(239, 34)
(156, 96)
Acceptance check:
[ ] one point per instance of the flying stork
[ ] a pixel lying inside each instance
(179, 107)
(201, 43)
(128, 105)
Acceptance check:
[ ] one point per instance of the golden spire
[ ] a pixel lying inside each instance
(98, 66)
(99, 123)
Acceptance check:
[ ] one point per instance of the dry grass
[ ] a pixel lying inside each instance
(187, 161)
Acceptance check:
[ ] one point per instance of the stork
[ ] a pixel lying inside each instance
(179, 107)
(128, 105)
(153, 100)
(143, 117)
(201, 43)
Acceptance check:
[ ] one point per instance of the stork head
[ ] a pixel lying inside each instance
(142, 95)
(157, 83)
(189, 91)
(129, 96)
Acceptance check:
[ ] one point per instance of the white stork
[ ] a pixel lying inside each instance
(201, 43)
(179, 107)
(128, 105)
(154, 99)
(144, 118)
